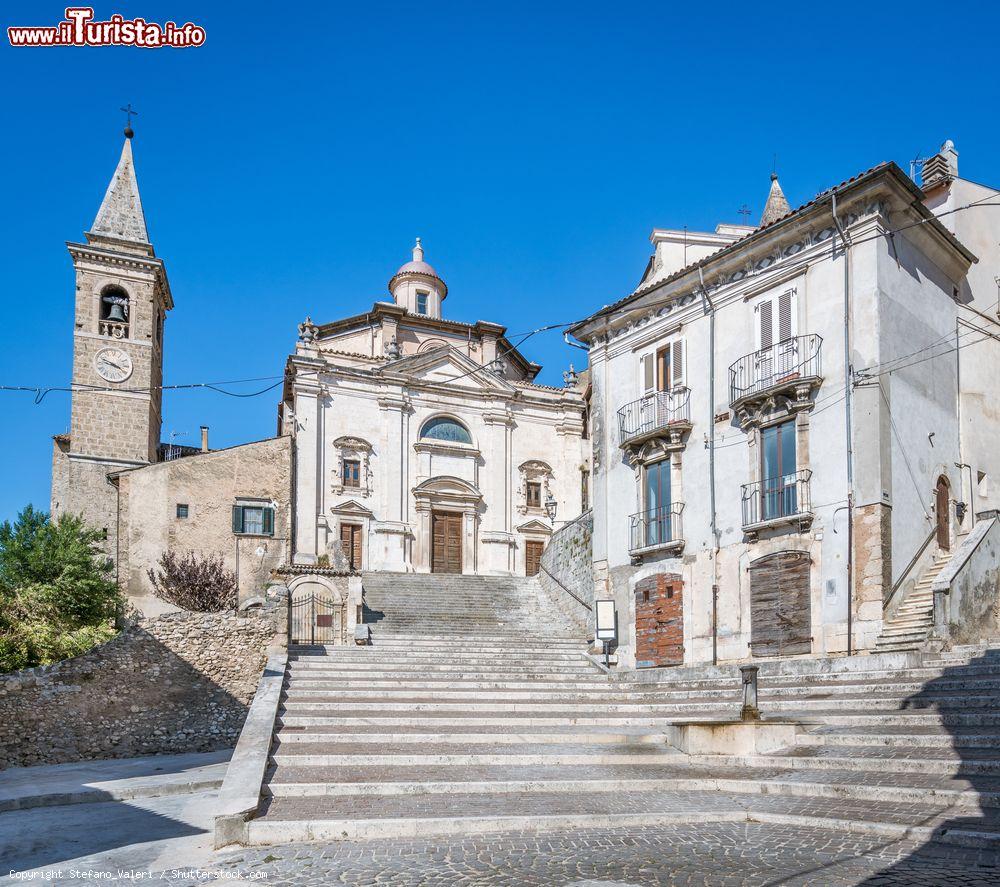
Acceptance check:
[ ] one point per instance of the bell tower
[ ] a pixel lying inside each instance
(121, 300)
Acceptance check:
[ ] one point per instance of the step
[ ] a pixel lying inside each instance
(564, 735)
(829, 759)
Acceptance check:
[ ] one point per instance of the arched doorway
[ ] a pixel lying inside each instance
(942, 499)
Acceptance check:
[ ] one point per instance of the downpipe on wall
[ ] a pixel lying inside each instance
(709, 308)
(847, 422)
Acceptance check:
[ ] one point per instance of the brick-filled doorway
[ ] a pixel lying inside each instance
(659, 621)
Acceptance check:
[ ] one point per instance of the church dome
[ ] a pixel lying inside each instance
(418, 266)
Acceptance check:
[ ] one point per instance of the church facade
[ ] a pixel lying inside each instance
(423, 444)
(406, 442)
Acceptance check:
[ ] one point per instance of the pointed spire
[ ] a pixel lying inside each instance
(418, 252)
(120, 215)
(777, 204)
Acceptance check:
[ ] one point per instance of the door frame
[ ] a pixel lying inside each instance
(451, 517)
(942, 512)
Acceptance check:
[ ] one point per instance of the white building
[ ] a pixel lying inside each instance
(423, 444)
(794, 425)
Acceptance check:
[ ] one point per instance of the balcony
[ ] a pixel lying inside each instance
(656, 530)
(662, 417)
(790, 369)
(777, 501)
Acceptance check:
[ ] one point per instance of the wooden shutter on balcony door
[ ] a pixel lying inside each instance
(780, 612)
(677, 374)
(648, 370)
(786, 315)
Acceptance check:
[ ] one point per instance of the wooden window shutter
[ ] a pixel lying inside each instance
(648, 373)
(268, 521)
(786, 315)
(677, 355)
(765, 331)
(237, 518)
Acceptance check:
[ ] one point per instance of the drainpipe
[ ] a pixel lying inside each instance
(847, 422)
(709, 308)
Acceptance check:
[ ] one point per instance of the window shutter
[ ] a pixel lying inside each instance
(648, 373)
(237, 518)
(268, 521)
(786, 315)
(765, 332)
(677, 373)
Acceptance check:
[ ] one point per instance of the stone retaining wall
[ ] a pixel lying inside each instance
(181, 682)
(567, 565)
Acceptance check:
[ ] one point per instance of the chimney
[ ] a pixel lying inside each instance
(204, 438)
(941, 168)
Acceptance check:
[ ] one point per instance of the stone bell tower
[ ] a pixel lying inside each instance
(122, 297)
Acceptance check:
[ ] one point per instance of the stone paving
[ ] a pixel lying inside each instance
(715, 854)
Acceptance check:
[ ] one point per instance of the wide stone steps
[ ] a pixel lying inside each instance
(436, 731)
(356, 817)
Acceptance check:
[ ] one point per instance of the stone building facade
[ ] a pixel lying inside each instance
(423, 444)
(788, 426)
(191, 503)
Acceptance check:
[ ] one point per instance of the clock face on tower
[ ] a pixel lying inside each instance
(113, 364)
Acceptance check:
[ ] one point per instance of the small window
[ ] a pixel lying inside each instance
(421, 303)
(352, 473)
(534, 494)
(446, 429)
(182, 511)
(253, 520)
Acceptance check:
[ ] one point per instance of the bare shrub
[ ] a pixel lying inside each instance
(201, 585)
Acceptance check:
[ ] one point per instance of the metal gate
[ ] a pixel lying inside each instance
(316, 620)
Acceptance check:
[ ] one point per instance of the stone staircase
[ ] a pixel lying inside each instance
(470, 714)
(912, 623)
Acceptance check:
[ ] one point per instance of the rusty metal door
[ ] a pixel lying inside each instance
(659, 621)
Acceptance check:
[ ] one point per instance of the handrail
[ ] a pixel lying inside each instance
(774, 498)
(665, 521)
(758, 371)
(579, 600)
(653, 411)
(906, 571)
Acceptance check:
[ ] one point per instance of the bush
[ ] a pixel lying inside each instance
(57, 594)
(202, 585)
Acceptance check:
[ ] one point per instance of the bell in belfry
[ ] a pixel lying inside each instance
(117, 309)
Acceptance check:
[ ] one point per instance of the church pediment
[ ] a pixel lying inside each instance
(446, 487)
(534, 526)
(446, 365)
(351, 507)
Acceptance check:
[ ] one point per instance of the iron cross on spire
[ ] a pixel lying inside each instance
(745, 212)
(130, 112)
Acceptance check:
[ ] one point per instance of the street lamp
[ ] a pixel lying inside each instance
(551, 506)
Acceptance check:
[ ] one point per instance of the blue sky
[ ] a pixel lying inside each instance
(287, 164)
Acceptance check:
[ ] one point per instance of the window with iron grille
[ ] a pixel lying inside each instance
(182, 510)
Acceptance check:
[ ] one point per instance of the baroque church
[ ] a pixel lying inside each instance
(407, 441)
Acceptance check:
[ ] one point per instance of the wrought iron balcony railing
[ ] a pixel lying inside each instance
(776, 498)
(655, 412)
(782, 364)
(656, 527)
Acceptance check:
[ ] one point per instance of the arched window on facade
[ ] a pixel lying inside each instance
(446, 429)
(113, 317)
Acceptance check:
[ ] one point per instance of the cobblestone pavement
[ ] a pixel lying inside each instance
(709, 855)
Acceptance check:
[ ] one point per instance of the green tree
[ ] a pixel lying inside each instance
(57, 593)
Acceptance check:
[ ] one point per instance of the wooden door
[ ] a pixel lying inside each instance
(533, 557)
(942, 500)
(780, 609)
(446, 547)
(659, 621)
(350, 542)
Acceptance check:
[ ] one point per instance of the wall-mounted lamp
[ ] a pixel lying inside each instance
(551, 506)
